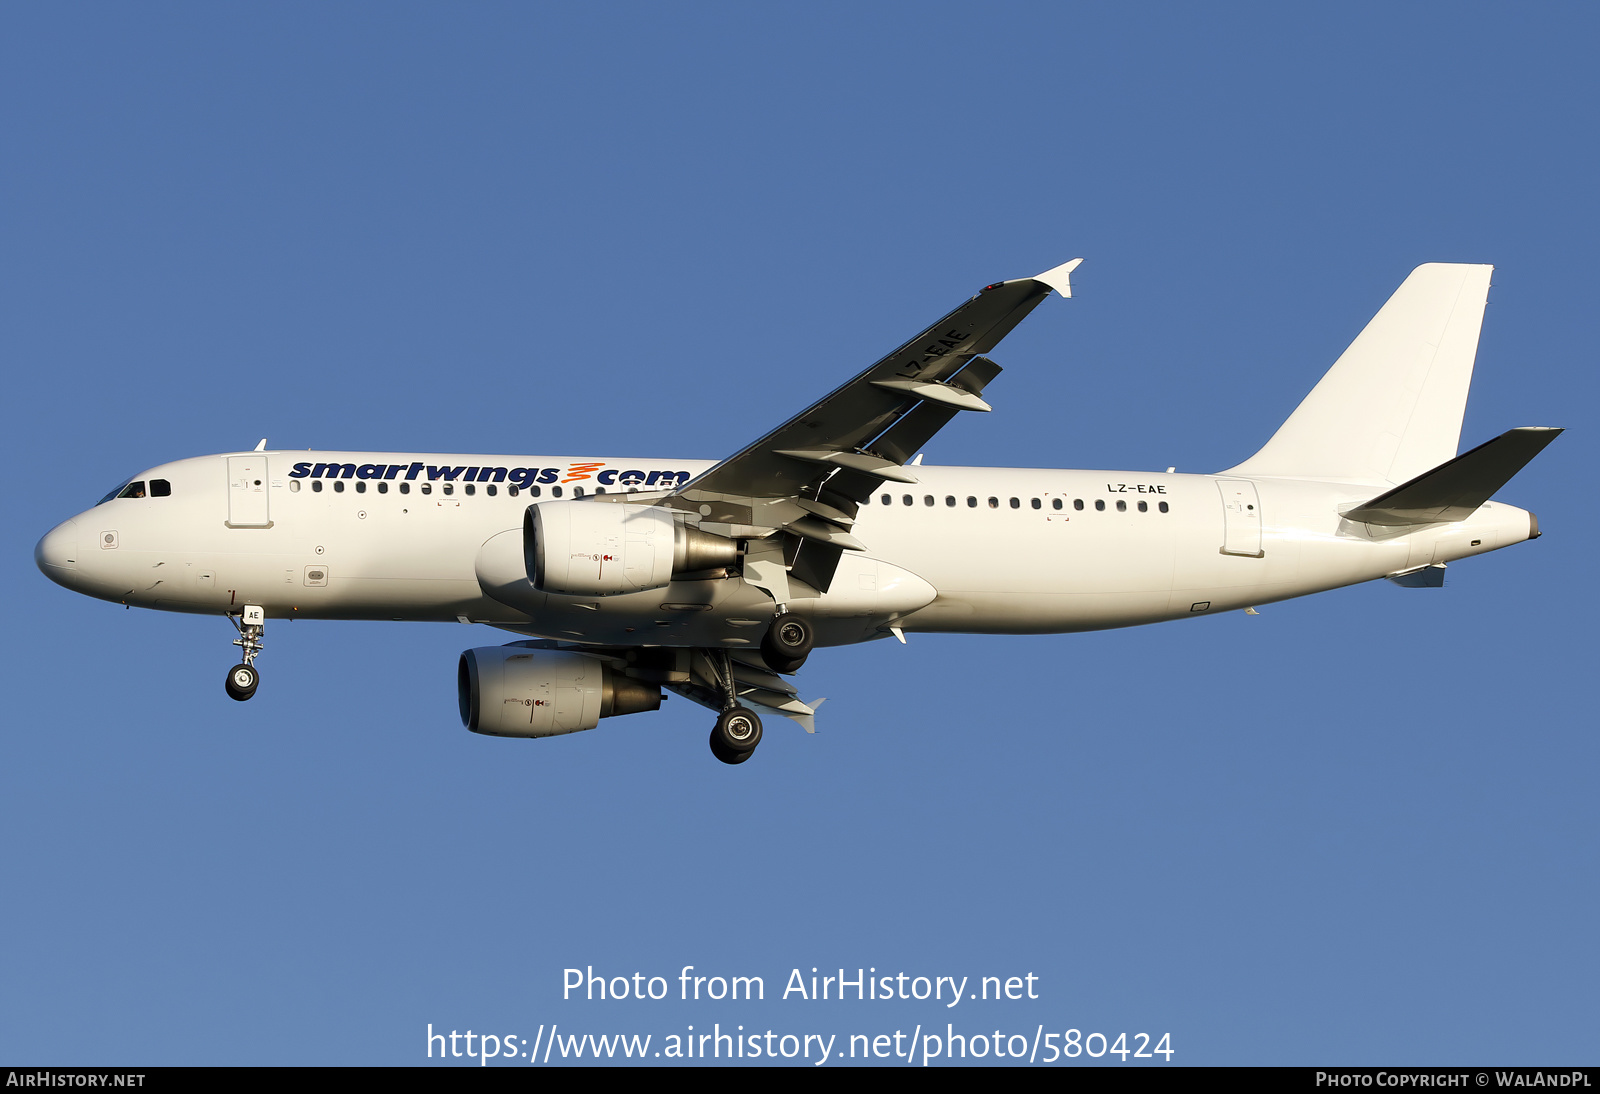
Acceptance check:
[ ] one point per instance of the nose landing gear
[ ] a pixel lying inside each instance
(241, 682)
(243, 679)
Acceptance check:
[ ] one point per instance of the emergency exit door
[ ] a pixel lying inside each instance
(247, 492)
(1241, 518)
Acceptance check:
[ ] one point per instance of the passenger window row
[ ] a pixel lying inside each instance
(1016, 503)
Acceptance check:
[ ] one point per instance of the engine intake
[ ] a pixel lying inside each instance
(589, 548)
(513, 691)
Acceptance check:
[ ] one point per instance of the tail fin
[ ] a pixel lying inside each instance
(1390, 408)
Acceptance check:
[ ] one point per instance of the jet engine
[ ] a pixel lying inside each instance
(514, 691)
(592, 548)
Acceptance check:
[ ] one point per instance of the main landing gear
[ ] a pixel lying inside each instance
(738, 730)
(787, 643)
(243, 679)
(735, 736)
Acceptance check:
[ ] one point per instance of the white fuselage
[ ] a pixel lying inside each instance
(966, 549)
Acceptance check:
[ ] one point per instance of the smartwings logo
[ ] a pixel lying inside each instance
(523, 477)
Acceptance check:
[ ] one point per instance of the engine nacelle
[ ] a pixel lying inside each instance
(592, 548)
(513, 691)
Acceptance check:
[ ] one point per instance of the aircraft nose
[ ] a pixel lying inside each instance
(57, 553)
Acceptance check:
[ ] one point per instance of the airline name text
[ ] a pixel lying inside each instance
(516, 476)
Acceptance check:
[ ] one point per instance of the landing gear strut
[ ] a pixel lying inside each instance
(243, 679)
(738, 730)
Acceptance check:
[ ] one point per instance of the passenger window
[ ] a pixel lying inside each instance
(383, 488)
(1099, 505)
(1162, 506)
(597, 490)
(338, 486)
(490, 490)
(316, 486)
(361, 487)
(1055, 503)
(1036, 503)
(972, 503)
(1144, 507)
(906, 499)
(405, 488)
(1122, 506)
(1015, 504)
(294, 486)
(950, 500)
(885, 499)
(577, 491)
(927, 499)
(427, 488)
(534, 491)
(511, 491)
(132, 490)
(555, 491)
(160, 488)
(994, 503)
(471, 490)
(449, 488)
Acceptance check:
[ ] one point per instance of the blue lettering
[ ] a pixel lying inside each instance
(394, 469)
(448, 474)
(301, 470)
(332, 471)
(549, 474)
(607, 477)
(413, 471)
(631, 478)
(370, 471)
(492, 474)
(522, 477)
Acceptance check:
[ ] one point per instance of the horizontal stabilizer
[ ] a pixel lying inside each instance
(1454, 490)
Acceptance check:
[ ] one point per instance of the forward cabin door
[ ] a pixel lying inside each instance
(1241, 518)
(247, 491)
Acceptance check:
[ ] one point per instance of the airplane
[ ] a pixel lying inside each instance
(715, 580)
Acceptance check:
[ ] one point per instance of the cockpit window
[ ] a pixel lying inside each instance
(133, 490)
(160, 488)
(118, 489)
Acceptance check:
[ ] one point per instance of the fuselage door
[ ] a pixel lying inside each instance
(1241, 518)
(247, 492)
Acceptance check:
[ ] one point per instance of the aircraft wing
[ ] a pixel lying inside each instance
(804, 481)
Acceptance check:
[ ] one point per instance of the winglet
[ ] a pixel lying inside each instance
(262, 447)
(1057, 278)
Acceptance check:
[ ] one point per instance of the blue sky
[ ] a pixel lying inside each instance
(1358, 828)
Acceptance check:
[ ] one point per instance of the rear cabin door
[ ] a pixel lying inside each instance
(1241, 518)
(247, 492)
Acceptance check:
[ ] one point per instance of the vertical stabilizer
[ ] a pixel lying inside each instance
(1390, 408)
